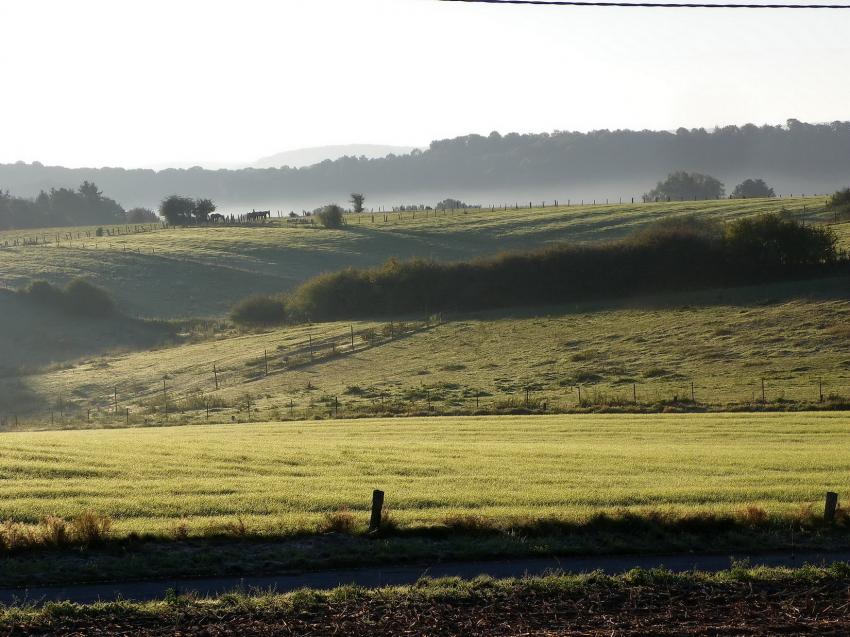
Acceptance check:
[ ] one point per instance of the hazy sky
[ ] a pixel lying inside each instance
(147, 82)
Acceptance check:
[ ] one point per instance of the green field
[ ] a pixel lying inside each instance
(202, 272)
(284, 477)
(794, 336)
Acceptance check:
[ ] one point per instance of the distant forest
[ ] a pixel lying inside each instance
(59, 207)
(796, 157)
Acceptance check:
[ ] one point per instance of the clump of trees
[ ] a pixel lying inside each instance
(752, 189)
(683, 185)
(675, 255)
(79, 297)
(331, 216)
(59, 207)
(357, 201)
(839, 201)
(184, 211)
(141, 215)
(452, 204)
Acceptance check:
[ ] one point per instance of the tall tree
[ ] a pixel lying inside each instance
(357, 200)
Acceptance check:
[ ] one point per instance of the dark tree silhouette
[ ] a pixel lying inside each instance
(357, 200)
(177, 210)
(682, 185)
(751, 189)
(202, 210)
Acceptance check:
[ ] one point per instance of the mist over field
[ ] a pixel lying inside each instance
(795, 158)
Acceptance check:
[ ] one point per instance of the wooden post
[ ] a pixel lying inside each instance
(526, 396)
(115, 399)
(127, 417)
(352, 336)
(762, 391)
(215, 375)
(266, 360)
(310, 336)
(830, 506)
(477, 396)
(377, 511)
(634, 393)
(820, 390)
(336, 407)
(579, 395)
(693, 395)
(164, 399)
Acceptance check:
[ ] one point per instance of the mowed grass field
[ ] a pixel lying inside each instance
(794, 336)
(202, 272)
(285, 477)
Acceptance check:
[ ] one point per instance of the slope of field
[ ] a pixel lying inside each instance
(794, 336)
(282, 477)
(204, 271)
(35, 337)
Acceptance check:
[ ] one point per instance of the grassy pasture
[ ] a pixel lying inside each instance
(792, 335)
(204, 271)
(283, 477)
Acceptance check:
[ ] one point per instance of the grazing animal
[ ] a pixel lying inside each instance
(216, 218)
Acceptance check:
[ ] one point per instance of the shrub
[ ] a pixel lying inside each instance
(86, 299)
(44, 293)
(98, 232)
(341, 521)
(77, 297)
(91, 528)
(331, 216)
(259, 310)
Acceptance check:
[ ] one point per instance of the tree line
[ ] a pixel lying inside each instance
(672, 255)
(813, 153)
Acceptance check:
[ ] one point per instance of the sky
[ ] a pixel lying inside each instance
(177, 82)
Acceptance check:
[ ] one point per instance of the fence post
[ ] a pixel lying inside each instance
(215, 374)
(820, 390)
(352, 336)
(762, 392)
(266, 360)
(377, 511)
(830, 506)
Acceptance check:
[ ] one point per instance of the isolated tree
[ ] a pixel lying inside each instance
(357, 201)
(202, 210)
(752, 189)
(177, 210)
(141, 215)
(331, 216)
(839, 201)
(683, 185)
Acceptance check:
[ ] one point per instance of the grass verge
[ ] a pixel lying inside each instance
(657, 602)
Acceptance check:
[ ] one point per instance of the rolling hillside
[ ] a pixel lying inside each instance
(202, 272)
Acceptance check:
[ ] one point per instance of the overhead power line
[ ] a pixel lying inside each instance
(655, 5)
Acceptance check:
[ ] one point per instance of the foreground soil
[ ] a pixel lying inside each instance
(639, 603)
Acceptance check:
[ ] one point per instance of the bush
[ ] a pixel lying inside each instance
(259, 310)
(85, 299)
(78, 297)
(331, 216)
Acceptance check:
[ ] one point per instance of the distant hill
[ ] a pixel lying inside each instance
(309, 156)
